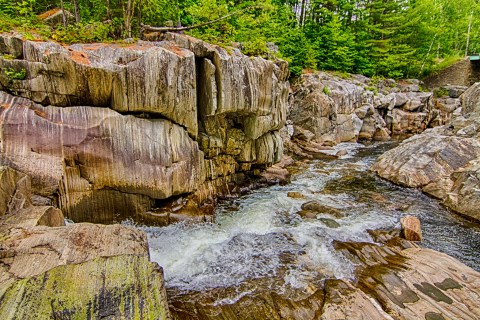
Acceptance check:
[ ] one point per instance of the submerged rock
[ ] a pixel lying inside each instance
(318, 207)
(295, 195)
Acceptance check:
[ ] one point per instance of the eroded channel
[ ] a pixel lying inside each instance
(259, 242)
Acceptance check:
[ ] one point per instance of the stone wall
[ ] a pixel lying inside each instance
(462, 73)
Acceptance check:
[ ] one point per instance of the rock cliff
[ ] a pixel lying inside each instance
(106, 129)
(444, 161)
(326, 109)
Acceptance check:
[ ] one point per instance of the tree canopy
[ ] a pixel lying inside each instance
(390, 38)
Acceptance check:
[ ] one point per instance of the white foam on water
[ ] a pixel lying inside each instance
(253, 242)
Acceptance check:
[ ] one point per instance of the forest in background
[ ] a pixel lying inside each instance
(385, 38)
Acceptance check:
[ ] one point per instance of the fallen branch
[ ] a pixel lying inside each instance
(178, 29)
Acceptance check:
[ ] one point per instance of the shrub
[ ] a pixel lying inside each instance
(16, 75)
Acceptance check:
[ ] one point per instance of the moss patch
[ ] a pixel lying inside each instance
(121, 287)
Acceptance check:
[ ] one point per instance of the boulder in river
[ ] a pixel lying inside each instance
(295, 195)
(319, 207)
(411, 228)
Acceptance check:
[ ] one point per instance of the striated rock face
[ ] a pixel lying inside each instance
(444, 161)
(90, 156)
(106, 130)
(326, 109)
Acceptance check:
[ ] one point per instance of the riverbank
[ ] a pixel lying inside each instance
(158, 131)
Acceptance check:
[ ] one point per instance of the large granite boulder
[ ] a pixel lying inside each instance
(444, 161)
(79, 271)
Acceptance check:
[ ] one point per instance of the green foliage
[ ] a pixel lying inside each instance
(389, 38)
(440, 92)
(16, 75)
(326, 90)
(92, 32)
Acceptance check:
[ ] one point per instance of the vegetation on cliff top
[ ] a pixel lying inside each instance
(391, 38)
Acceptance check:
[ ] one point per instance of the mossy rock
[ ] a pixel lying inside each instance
(120, 287)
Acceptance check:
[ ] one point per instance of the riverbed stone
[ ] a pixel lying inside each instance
(318, 207)
(295, 195)
(411, 228)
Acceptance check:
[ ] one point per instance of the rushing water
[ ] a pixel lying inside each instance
(261, 236)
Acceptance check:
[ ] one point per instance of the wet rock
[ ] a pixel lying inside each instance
(330, 223)
(443, 161)
(307, 214)
(394, 280)
(398, 274)
(411, 228)
(318, 207)
(295, 195)
(344, 301)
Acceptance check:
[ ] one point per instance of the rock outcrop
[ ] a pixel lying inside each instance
(79, 271)
(106, 129)
(327, 109)
(444, 161)
(394, 279)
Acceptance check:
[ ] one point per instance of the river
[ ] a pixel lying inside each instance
(260, 236)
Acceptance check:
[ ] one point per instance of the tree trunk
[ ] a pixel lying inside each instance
(64, 16)
(302, 13)
(468, 34)
(77, 11)
(108, 9)
(127, 18)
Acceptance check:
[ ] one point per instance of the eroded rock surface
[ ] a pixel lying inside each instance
(79, 271)
(115, 129)
(443, 161)
(327, 109)
(395, 279)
